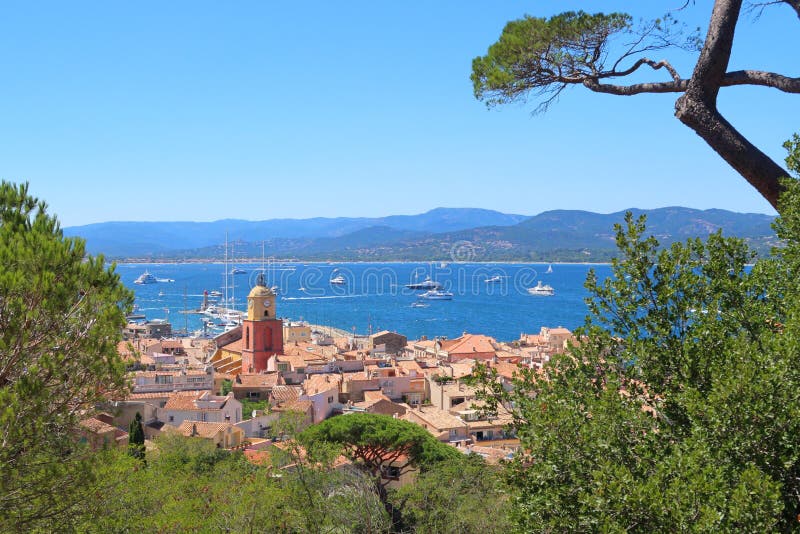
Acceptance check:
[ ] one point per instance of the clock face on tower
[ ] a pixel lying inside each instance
(266, 304)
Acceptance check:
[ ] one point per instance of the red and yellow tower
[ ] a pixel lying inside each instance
(262, 332)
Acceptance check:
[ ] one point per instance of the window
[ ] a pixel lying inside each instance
(163, 379)
(282, 366)
(171, 418)
(330, 400)
(254, 394)
(390, 471)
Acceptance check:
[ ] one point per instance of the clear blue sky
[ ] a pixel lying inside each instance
(207, 110)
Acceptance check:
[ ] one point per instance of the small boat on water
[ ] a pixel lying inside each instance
(237, 270)
(145, 278)
(212, 311)
(160, 293)
(338, 280)
(426, 284)
(436, 294)
(215, 293)
(543, 290)
(549, 269)
(419, 305)
(494, 279)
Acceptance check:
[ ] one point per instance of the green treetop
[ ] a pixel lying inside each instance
(61, 315)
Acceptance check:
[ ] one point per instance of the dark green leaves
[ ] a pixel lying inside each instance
(543, 55)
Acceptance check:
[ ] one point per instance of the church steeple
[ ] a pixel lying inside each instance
(262, 331)
(260, 302)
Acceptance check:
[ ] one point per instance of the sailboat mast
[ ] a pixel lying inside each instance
(226, 270)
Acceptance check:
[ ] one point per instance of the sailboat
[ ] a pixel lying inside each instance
(235, 269)
(549, 269)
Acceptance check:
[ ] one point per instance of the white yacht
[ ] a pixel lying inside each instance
(494, 279)
(145, 278)
(426, 284)
(436, 294)
(542, 290)
(338, 280)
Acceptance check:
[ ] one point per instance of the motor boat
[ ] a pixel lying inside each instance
(237, 270)
(338, 280)
(494, 279)
(419, 305)
(426, 284)
(542, 290)
(146, 278)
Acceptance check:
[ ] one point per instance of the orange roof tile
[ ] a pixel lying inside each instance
(202, 429)
(295, 405)
(97, 426)
(469, 343)
(256, 380)
(319, 383)
(233, 346)
(281, 393)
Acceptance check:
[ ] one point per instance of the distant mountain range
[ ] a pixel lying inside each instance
(442, 234)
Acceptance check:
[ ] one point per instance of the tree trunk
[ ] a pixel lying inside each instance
(697, 108)
(755, 166)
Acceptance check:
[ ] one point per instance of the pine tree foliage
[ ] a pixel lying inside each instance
(678, 410)
(61, 314)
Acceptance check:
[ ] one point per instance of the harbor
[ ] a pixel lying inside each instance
(374, 296)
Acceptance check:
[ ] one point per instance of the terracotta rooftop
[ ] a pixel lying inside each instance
(202, 429)
(374, 396)
(437, 419)
(256, 380)
(560, 331)
(295, 361)
(97, 426)
(409, 365)
(163, 394)
(233, 346)
(469, 343)
(315, 384)
(190, 402)
(301, 406)
(281, 393)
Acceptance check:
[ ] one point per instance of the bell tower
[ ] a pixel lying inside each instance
(262, 332)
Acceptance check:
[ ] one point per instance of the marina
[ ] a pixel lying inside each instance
(375, 297)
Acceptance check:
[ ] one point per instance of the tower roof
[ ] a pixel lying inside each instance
(260, 291)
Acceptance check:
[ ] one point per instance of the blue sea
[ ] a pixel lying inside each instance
(374, 296)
